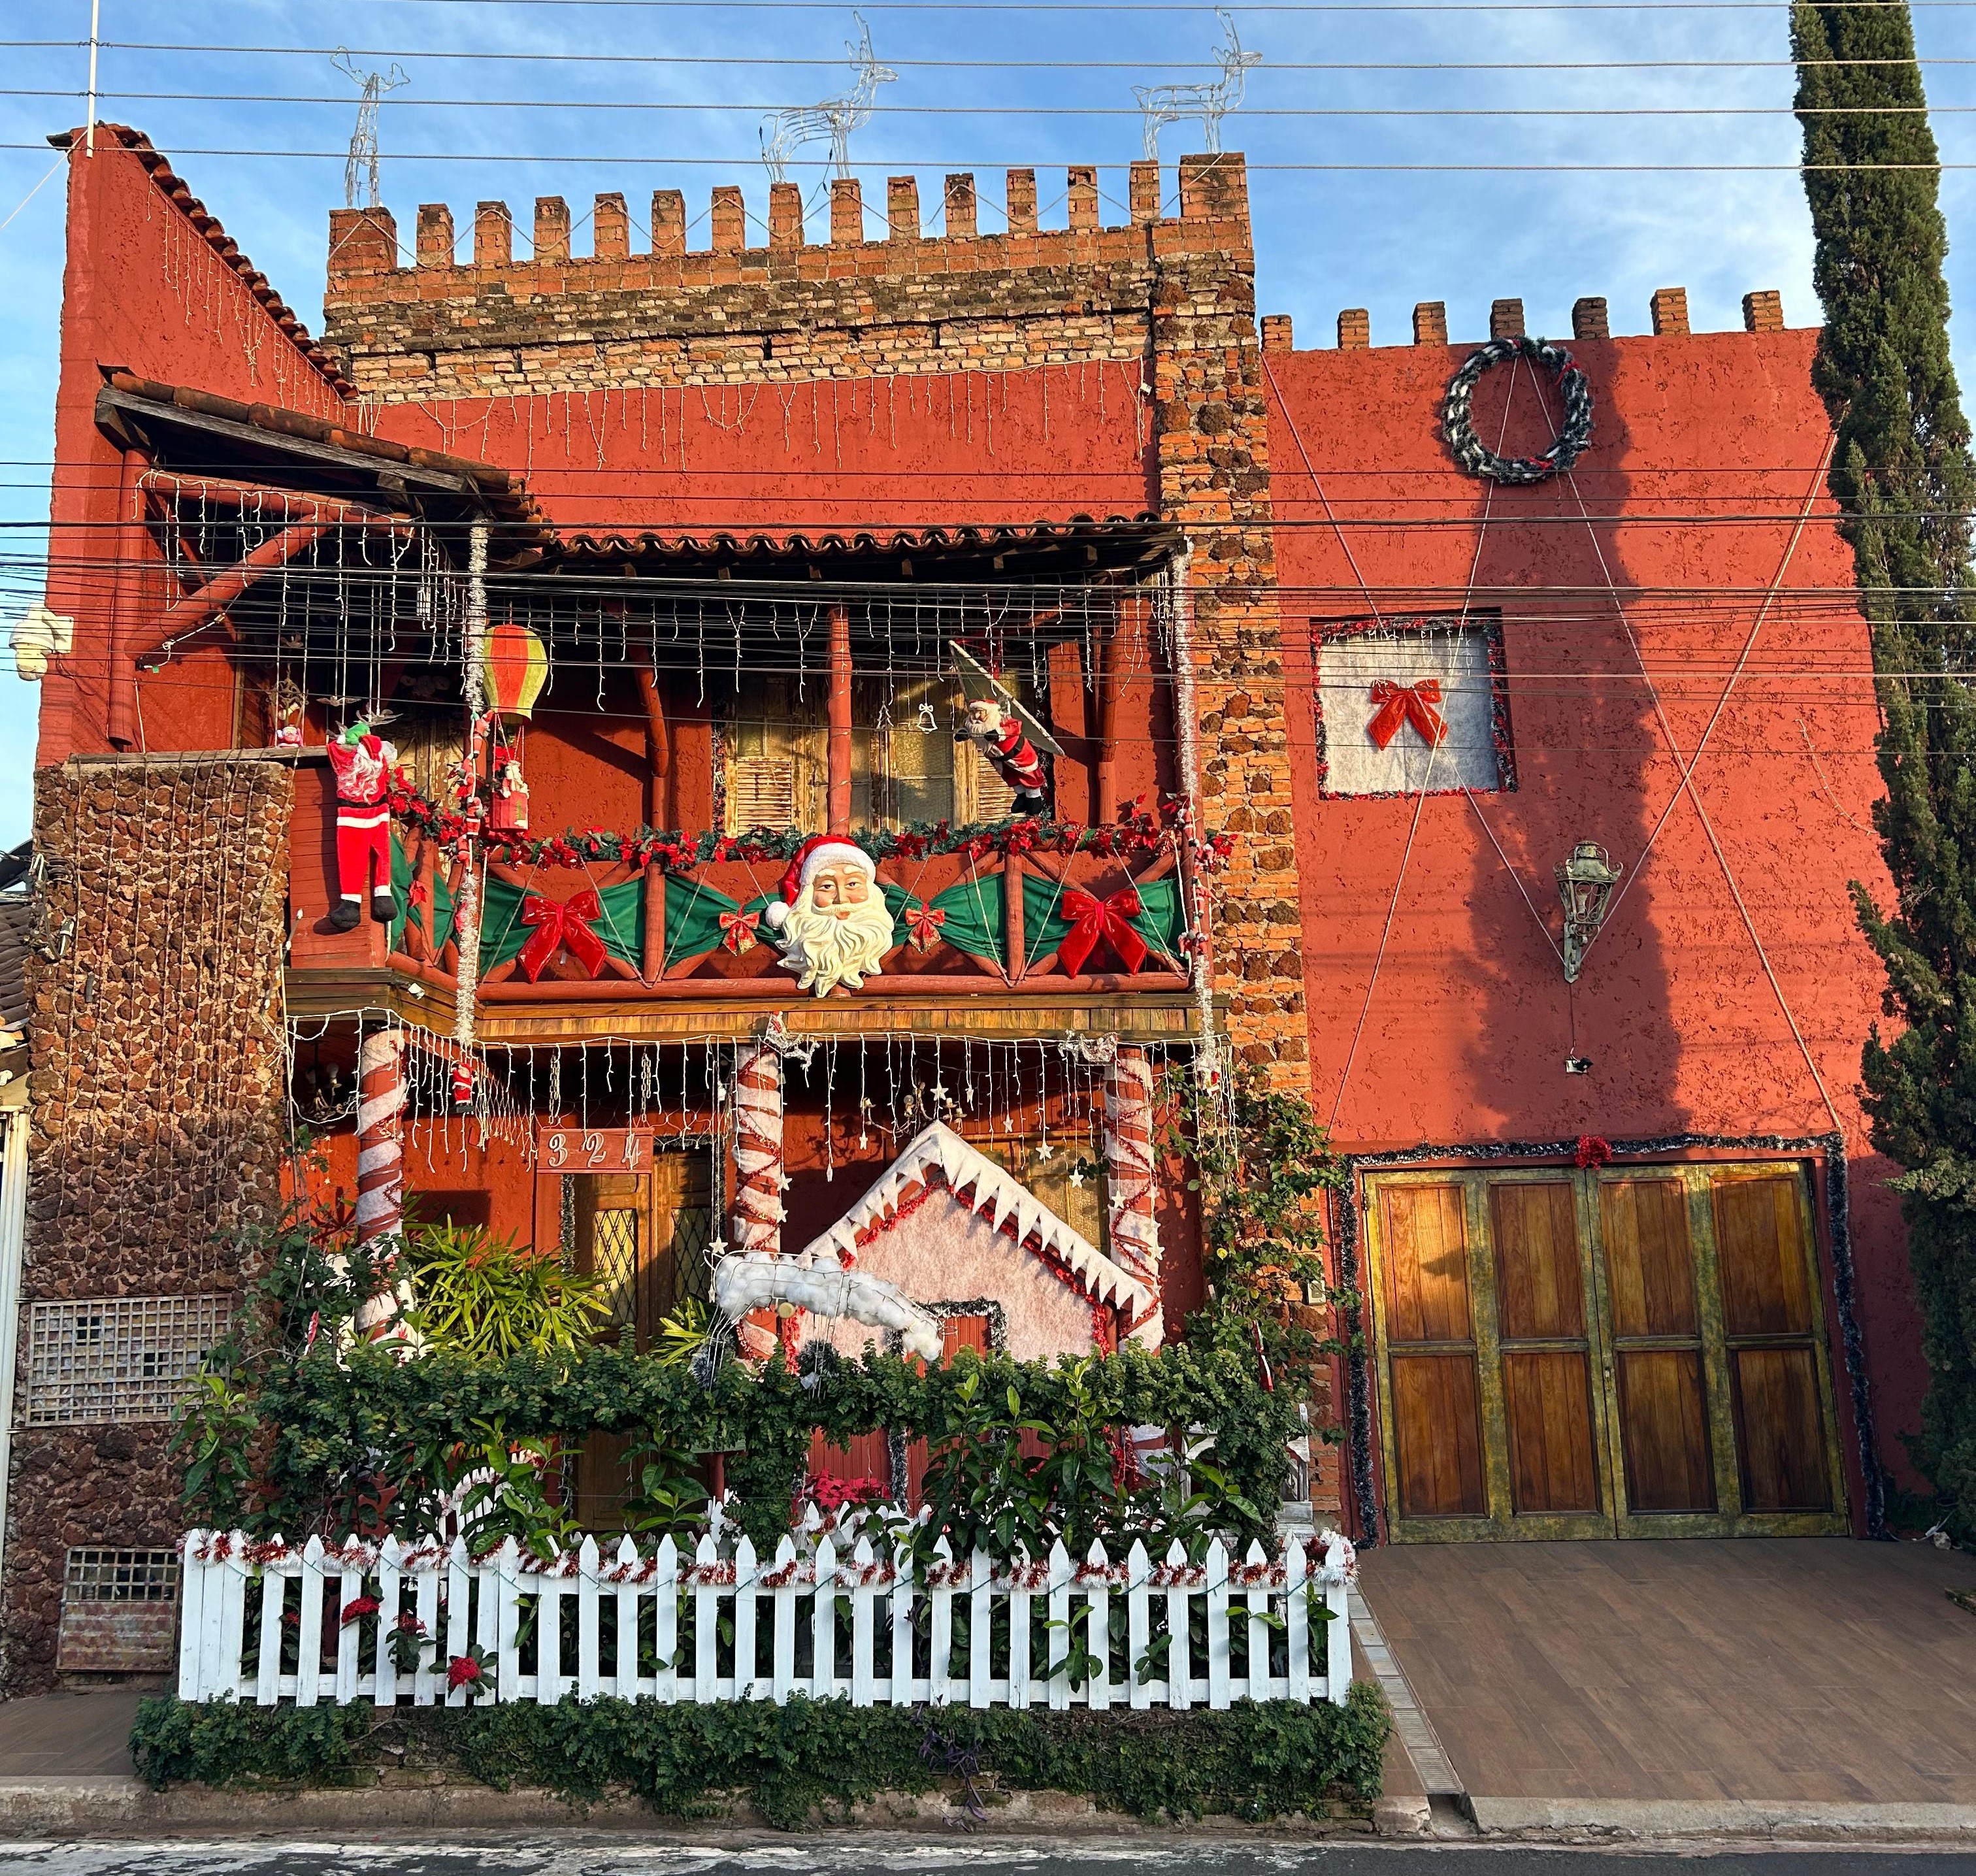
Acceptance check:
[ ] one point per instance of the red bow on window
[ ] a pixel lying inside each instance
(739, 931)
(560, 924)
(1091, 918)
(1406, 703)
(923, 924)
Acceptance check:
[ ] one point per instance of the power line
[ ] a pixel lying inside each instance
(670, 59)
(982, 162)
(1029, 111)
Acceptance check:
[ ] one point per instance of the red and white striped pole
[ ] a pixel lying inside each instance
(759, 1179)
(381, 1183)
(1130, 1177)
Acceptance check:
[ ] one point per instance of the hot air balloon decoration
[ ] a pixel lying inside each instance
(516, 666)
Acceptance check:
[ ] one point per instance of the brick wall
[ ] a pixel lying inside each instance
(784, 308)
(157, 1111)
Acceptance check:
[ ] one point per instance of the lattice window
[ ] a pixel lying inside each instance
(615, 1258)
(121, 1576)
(116, 1357)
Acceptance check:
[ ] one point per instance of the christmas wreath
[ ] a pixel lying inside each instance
(1572, 441)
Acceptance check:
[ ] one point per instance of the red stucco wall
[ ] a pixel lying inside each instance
(1705, 465)
(143, 289)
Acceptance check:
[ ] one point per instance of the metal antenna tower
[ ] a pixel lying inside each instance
(364, 139)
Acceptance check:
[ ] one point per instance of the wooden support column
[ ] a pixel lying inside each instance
(659, 812)
(199, 609)
(1123, 657)
(839, 798)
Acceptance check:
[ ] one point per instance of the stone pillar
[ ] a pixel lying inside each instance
(756, 1222)
(1130, 1177)
(380, 1181)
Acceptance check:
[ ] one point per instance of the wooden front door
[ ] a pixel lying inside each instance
(645, 1235)
(1638, 1351)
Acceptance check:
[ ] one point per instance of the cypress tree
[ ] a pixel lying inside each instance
(1903, 478)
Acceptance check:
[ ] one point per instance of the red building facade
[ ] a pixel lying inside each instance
(1628, 1264)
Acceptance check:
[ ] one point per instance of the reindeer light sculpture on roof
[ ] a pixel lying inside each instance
(785, 132)
(1163, 105)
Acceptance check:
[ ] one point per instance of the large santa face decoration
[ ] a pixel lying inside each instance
(831, 920)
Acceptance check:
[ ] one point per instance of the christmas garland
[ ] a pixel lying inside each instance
(1140, 834)
(1571, 442)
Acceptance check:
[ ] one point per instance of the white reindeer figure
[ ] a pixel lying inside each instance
(785, 132)
(1176, 104)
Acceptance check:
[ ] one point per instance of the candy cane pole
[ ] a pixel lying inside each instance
(757, 1220)
(1130, 1175)
(381, 1182)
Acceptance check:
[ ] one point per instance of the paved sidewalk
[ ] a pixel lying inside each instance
(1812, 1670)
(68, 1735)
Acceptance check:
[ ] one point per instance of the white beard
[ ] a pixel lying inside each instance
(825, 950)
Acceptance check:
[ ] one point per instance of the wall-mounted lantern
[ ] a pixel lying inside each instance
(1584, 883)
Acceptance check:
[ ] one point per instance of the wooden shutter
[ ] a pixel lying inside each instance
(777, 755)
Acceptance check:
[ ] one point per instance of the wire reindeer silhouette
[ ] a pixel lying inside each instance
(1163, 105)
(364, 141)
(785, 132)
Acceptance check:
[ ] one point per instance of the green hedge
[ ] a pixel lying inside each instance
(342, 1425)
(1250, 1762)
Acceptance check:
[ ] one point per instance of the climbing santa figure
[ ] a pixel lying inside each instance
(1013, 742)
(362, 762)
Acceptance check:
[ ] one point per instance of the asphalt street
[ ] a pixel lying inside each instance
(594, 1854)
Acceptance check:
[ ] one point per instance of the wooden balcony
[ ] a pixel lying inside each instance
(983, 945)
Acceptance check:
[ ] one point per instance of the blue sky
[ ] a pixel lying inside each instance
(1491, 206)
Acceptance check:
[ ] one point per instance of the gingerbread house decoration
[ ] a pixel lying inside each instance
(952, 1232)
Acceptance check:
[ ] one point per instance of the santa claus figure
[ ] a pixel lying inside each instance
(1010, 753)
(362, 762)
(831, 920)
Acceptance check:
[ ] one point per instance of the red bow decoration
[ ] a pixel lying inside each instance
(739, 931)
(1091, 918)
(923, 924)
(1406, 703)
(560, 924)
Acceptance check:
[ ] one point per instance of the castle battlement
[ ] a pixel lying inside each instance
(367, 259)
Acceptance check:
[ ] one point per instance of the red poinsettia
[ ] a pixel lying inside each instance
(465, 1671)
(1592, 1151)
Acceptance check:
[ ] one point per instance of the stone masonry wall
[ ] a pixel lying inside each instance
(157, 1115)
(738, 313)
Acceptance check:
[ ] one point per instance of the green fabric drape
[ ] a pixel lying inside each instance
(692, 917)
(1159, 922)
(404, 875)
(620, 926)
(974, 920)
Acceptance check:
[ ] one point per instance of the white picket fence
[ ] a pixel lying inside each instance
(726, 1626)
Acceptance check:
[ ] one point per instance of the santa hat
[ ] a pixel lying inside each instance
(818, 851)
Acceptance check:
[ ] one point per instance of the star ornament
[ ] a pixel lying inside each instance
(1077, 1177)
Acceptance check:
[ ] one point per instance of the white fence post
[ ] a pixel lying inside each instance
(1020, 1601)
(1059, 1694)
(1296, 1619)
(665, 1624)
(1217, 1625)
(980, 1629)
(1180, 1605)
(1098, 1628)
(905, 1588)
(1337, 1630)
(1138, 1626)
(747, 1570)
(823, 1621)
(939, 1595)
(191, 1615)
(864, 1610)
(706, 1622)
(308, 1642)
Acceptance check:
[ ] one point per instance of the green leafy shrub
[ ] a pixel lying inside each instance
(1252, 1760)
(486, 1297)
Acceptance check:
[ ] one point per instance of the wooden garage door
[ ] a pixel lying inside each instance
(1635, 1351)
